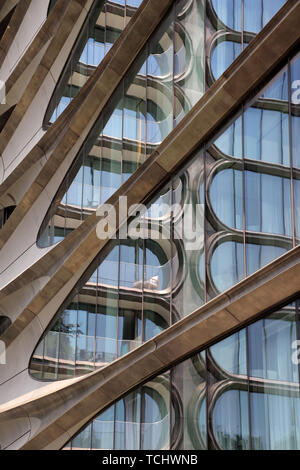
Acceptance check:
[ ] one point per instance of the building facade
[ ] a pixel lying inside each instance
(182, 331)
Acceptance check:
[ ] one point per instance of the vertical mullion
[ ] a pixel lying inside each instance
(243, 160)
(141, 417)
(43, 361)
(105, 30)
(101, 166)
(171, 414)
(96, 317)
(207, 400)
(143, 291)
(118, 299)
(83, 172)
(205, 227)
(75, 352)
(147, 96)
(298, 334)
(248, 387)
(242, 24)
(291, 155)
(114, 432)
(57, 366)
(244, 193)
(204, 45)
(173, 66)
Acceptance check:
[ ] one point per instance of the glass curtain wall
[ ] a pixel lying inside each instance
(231, 25)
(141, 420)
(240, 394)
(125, 301)
(229, 213)
(251, 195)
(166, 81)
(104, 24)
(163, 84)
(171, 78)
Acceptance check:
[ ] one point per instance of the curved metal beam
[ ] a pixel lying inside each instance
(269, 49)
(60, 409)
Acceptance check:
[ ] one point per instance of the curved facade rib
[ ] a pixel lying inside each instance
(167, 80)
(240, 394)
(230, 210)
(163, 84)
(236, 233)
(102, 28)
(226, 187)
(240, 234)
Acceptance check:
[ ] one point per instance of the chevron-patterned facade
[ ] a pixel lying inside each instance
(168, 337)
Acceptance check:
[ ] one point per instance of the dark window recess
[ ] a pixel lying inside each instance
(5, 214)
(4, 324)
(51, 5)
(5, 116)
(5, 22)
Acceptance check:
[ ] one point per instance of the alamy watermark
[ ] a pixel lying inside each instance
(296, 92)
(189, 221)
(296, 353)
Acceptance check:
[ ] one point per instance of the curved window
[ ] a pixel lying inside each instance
(138, 421)
(256, 13)
(235, 21)
(161, 207)
(120, 140)
(263, 192)
(267, 135)
(116, 310)
(275, 421)
(273, 424)
(102, 28)
(259, 255)
(223, 55)
(230, 141)
(229, 13)
(230, 420)
(226, 266)
(226, 196)
(270, 342)
(241, 393)
(230, 354)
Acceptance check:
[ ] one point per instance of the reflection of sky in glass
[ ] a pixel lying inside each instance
(230, 354)
(226, 196)
(229, 12)
(223, 55)
(231, 421)
(264, 193)
(257, 13)
(227, 265)
(227, 261)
